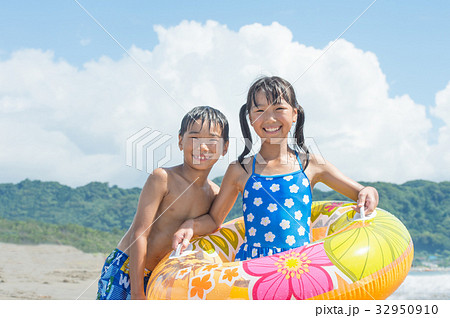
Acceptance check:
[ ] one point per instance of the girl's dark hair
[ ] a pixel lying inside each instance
(275, 88)
(208, 114)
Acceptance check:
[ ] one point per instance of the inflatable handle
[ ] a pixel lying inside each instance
(361, 216)
(178, 250)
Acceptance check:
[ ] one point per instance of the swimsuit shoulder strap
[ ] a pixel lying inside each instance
(253, 164)
(299, 161)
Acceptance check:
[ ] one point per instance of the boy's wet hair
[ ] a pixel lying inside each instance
(274, 88)
(205, 113)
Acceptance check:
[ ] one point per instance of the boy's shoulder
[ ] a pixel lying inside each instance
(159, 177)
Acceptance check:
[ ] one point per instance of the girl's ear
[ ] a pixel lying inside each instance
(180, 142)
(250, 117)
(294, 114)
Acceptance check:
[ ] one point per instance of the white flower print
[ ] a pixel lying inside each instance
(257, 244)
(269, 236)
(272, 207)
(244, 207)
(306, 243)
(305, 199)
(257, 201)
(245, 247)
(252, 231)
(288, 178)
(270, 252)
(289, 202)
(268, 179)
(285, 224)
(301, 231)
(305, 182)
(290, 240)
(294, 188)
(309, 221)
(245, 194)
(274, 187)
(257, 185)
(250, 217)
(298, 215)
(254, 252)
(265, 221)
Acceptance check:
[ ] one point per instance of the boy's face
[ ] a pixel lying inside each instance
(202, 145)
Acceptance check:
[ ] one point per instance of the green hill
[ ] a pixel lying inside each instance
(47, 212)
(35, 232)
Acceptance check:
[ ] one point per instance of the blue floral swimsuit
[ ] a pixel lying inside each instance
(277, 213)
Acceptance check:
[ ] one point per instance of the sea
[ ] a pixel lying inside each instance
(424, 285)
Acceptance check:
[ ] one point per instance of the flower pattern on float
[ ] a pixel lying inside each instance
(299, 273)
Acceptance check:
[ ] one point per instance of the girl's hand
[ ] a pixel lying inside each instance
(367, 198)
(183, 235)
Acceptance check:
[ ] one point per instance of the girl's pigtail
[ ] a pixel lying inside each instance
(247, 135)
(299, 137)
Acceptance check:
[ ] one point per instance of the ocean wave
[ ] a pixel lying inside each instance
(424, 286)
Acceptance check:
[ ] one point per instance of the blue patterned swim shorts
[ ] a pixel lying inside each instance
(114, 284)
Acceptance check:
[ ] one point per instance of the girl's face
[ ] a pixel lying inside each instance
(271, 120)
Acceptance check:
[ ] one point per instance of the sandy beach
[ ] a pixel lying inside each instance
(64, 272)
(48, 272)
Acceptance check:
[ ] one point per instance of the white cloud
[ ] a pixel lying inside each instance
(59, 122)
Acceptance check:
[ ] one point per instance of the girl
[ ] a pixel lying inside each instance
(276, 183)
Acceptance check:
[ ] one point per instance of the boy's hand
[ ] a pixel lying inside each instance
(183, 235)
(367, 198)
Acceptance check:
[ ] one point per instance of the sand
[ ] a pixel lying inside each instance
(64, 272)
(48, 272)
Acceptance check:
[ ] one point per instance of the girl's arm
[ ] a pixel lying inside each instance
(335, 179)
(151, 196)
(210, 222)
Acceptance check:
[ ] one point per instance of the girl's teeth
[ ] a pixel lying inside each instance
(272, 129)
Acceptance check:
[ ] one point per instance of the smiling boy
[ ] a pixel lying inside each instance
(165, 203)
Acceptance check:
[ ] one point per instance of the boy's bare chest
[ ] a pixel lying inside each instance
(189, 203)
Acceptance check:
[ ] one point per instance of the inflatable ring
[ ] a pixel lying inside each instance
(349, 258)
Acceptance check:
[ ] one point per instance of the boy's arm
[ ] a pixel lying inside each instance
(151, 196)
(210, 222)
(328, 174)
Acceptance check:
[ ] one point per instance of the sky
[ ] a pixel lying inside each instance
(80, 78)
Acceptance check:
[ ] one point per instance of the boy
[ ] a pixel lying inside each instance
(169, 197)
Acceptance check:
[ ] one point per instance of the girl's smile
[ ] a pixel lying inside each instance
(272, 130)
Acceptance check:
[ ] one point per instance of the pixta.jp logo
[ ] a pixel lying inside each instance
(148, 149)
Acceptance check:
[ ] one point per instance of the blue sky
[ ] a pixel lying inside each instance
(410, 38)
(384, 88)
